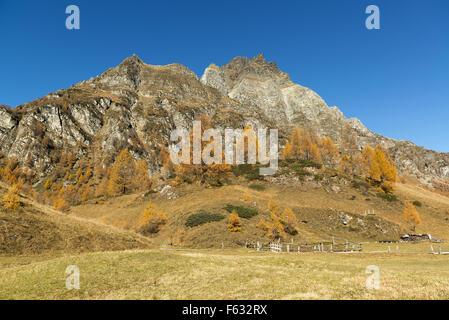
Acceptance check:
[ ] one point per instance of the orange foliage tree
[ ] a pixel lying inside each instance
(152, 220)
(11, 200)
(411, 215)
(142, 179)
(273, 229)
(213, 174)
(379, 167)
(121, 174)
(235, 225)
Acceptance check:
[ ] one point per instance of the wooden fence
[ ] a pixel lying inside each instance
(306, 246)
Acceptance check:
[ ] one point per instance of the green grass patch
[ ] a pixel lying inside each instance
(417, 203)
(257, 187)
(387, 196)
(200, 218)
(249, 171)
(246, 213)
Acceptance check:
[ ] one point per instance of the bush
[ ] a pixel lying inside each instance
(417, 203)
(301, 173)
(387, 196)
(257, 187)
(358, 184)
(200, 218)
(249, 171)
(306, 164)
(246, 213)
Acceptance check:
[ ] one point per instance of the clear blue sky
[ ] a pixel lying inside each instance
(396, 79)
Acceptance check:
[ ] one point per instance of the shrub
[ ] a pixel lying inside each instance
(306, 164)
(200, 218)
(387, 196)
(249, 171)
(257, 187)
(246, 213)
(358, 184)
(417, 203)
(301, 173)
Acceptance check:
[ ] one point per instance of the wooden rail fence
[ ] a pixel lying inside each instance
(306, 246)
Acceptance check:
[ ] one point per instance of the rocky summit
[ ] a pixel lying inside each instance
(136, 106)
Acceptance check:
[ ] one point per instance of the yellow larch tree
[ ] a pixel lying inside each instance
(152, 220)
(411, 215)
(142, 178)
(11, 200)
(289, 221)
(204, 173)
(121, 174)
(235, 224)
(329, 151)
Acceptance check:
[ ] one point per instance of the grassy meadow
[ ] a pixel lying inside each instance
(227, 274)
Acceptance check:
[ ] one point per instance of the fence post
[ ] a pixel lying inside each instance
(288, 248)
(389, 249)
(431, 249)
(299, 248)
(346, 246)
(439, 249)
(258, 246)
(332, 248)
(222, 245)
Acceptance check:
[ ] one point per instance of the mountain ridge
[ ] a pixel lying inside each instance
(136, 105)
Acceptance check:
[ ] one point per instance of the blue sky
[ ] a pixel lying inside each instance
(396, 79)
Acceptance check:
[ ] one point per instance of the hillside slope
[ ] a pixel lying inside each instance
(320, 207)
(37, 229)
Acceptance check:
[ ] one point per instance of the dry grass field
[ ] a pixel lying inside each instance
(38, 244)
(225, 274)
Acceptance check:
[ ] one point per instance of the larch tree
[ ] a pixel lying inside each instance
(235, 224)
(60, 204)
(411, 215)
(213, 173)
(329, 151)
(121, 174)
(346, 164)
(303, 145)
(142, 178)
(379, 167)
(289, 221)
(11, 200)
(152, 220)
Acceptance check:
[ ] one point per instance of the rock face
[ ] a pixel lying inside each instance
(136, 106)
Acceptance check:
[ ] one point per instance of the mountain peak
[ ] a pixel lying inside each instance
(259, 59)
(133, 59)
